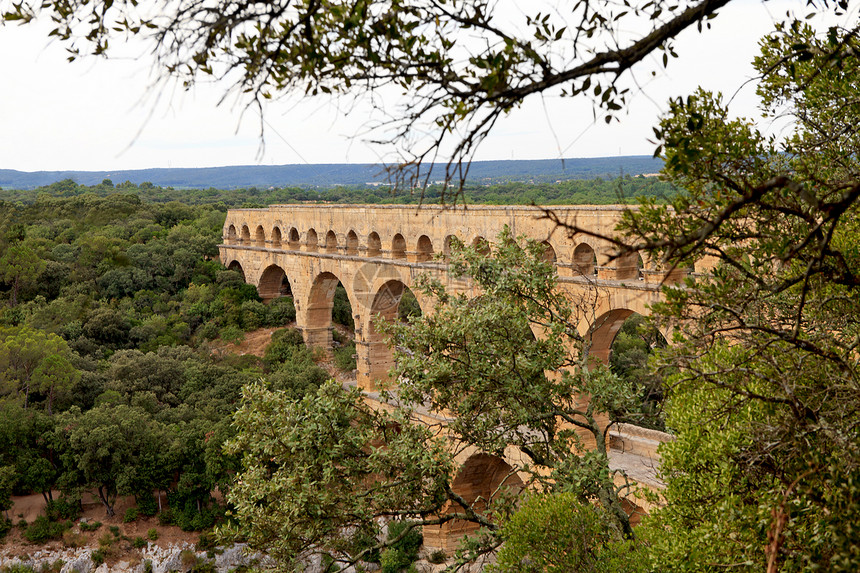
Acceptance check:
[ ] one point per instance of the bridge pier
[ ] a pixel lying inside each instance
(319, 337)
(373, 362)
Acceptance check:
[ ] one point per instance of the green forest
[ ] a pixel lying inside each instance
(112, 297)
(573, 192)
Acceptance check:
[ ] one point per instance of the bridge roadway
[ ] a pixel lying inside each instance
(376, 252)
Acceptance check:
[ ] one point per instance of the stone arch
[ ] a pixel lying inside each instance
(245, 239)
(585, 259)
(294, 239)
(424, 249)
(311, 241)
(237, 266)
(627, 266)
(331, 242)
(276, 238)
(603, 331)
(351, 243)
(398, 247)
(231, 235)
(374, 244)
(481, 245)
(449, 241)
(548, 254)
(634, 511)
(318, 324)
(482, 479)
(377, 357)
(273, 283)
(260, 237)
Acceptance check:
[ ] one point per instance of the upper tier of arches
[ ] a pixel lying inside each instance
(425, 234)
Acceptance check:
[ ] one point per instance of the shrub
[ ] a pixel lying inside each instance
(402, 553)
(283, 346)
(437, 557)
(72, 539)
(339, 338)
(254, 314)
(281, 311)
(345, 359)
(188, 559)
(52, 567)
(166, 517)
(106, 540)
(206, 542)
(208, 330)
(232, 334)
(43, 529)
(131, 514)
(87, 526)
(5, 527)
(558, 533)
(147, 566)
(16, 568)
(411, 542)
(188, 518)
(98, 557)
(114, 529)
(152, 534)
(63, 508)
(146, 504)
(139, 542)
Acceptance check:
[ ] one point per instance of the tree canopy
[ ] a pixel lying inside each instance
(766, 397)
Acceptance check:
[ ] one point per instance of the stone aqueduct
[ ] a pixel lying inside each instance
(377, 251)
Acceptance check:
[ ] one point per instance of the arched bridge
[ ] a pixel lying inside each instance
(376, 251)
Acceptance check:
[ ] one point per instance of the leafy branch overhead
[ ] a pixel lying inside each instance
(456, 66)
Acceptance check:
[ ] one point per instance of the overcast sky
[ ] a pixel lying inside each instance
(97, 115)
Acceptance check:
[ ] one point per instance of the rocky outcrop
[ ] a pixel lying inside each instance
(178, 558)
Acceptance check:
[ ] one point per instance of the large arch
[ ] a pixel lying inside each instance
(318, 314)
(603, 332)
(237, 266)
(481, 481)
(273, 284)
(376, 357)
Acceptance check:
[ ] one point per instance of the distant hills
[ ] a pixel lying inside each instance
(335, 174)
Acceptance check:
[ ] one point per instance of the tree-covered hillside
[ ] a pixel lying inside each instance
(338, 174)
(577, 191)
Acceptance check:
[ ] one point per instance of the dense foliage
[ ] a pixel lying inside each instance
(107, 382)
(766, 398)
